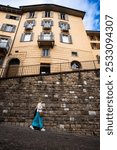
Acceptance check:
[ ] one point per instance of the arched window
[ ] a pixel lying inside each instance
(14, 61)
(75, 65)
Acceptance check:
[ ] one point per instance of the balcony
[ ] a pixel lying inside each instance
(4, 47)
(46, 26)
(29, 27)
(46, 40)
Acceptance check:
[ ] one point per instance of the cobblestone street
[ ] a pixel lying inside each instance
(23, 138)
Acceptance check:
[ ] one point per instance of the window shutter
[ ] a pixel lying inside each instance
(27, 15)
(70, 39)
(51, 22)
(25, 24)
(3, 27)
(13, 29)
(66, 17)
(7, 16)
(32, 36)
(18, 17)
(9, 41)
(51, 14)
(35, 15)
(34, 22)
(68, 26)
(22, 37)
(43, 14)
(61, 39)
(60, 24)
(59, 15)
(42, 23)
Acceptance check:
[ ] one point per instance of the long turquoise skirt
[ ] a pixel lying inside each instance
(37, 121)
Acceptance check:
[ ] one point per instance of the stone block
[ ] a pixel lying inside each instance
(92, 113)
(61, 126)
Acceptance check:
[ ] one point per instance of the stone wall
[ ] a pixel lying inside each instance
(71, 101)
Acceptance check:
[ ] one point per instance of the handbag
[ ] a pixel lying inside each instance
(41, 114)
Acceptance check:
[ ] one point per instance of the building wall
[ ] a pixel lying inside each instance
(30, 54)
(61, 52)
(94, 38)
(69, 103)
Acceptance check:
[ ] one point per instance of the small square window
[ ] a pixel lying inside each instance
(75, 54)
(8, 16)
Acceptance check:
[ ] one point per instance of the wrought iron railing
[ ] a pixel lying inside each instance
(18, 71)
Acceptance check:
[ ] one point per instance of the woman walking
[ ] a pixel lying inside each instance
(37, 122)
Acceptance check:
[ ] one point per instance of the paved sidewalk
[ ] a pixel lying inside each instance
(24, 138)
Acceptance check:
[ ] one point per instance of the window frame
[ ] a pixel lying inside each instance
(66, 26)
(47, 14)
(45, 52)
(9, 16)
(45, 21)
(31, 23)
(75, 54)
(23, 37)
(63, 16)
(69, 38)
(5, 28)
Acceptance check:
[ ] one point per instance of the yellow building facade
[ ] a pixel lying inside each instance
(45, 38)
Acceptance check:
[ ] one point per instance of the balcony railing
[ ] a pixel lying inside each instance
(4, 47)
(46, 40)
(18, 71)
(29, 27)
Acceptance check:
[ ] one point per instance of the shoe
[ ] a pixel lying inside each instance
(31, 127)
(42, 129)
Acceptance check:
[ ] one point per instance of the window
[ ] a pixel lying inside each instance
(74, 54)
(8, 16)
(46, 36)
(31, 14)
(63, 16)
(47, 24)
(75, 65)
(64, 26)
(27, 37)
(47, 13)
(3, 41)
(95, 46)
(5, 44)
(29, 24)
(44, 68)
(45, 52)
(92, 38)
(8, 28)
(65, 38)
